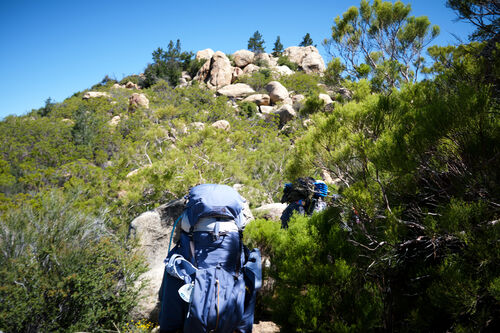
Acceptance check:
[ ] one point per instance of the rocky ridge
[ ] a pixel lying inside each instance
(221, 72)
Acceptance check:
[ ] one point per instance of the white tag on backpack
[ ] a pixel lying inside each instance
(186, 292)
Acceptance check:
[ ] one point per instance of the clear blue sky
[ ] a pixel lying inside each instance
(56, 48)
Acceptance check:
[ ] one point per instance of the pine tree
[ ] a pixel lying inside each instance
(306, 41)
(278, 47)
(256, 43)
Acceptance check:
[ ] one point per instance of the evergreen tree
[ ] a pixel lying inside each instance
(306, 41)
(381, 41)
(168, 65)
(256, 43)
(49, 106)
(484, 14)
(278, 47)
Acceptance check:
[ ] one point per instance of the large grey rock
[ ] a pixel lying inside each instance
(152, 232)
(298, 102)
(222, 124)
(243, 58)
(259, 99)
(217, 72)
(308, 58)
(251, 68)
(237, 90)
(265, 327)
(138, 100)
(271, 211)
(266, 110)
(273, 61)
(327, 99)
(286, 113)
(114, 121)
(345, 93)
(283, 70)
(263, 58)
(131, 85)
(277, 92)
(237, 72)
(205, 54)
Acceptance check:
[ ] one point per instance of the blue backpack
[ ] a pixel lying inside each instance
(211, 278)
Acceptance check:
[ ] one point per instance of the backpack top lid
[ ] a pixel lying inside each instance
(214, 200)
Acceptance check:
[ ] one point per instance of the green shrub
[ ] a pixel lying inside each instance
(132, 78)
(301, 83)
(249, 109)
(257, 80)
(262, 63)
(61, 270)
(317, 284)
(333, 73)
(312, 105)
(285, 61)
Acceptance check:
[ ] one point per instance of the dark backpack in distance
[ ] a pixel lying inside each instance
(301, 189)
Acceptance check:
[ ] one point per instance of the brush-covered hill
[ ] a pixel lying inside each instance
(411, 245)
(75, 173)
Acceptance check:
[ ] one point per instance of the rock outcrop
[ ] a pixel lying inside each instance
(217, 72)
(197, 126)
(283, 70)
(95, 94)
(259, 99)
(277, 92)
(298, 102)
(237, 72)
(137, 100)
(131, 85)
(222, 124)
(308, 58)
(271, 211)
(264, 58)
(152, 231)
(114, 121)
(237, 90)
(243, 58)
(286, 113)
(327, 99)
(205, 54)
(265, 327)
(250, 68)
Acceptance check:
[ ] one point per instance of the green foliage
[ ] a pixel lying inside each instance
(257, 80)
(483, 14)
(278, 47)
(168, 65)
(62, 270)
(413, 166)
(312, 105)
(285, 61)
(301, 83)
(256, 43)
(360, 89)
(130, 78)
(49, 106)
(412, 245)
(333, 73)
(249, 109)
(306, 41)
(317, 282)
(381, 41)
